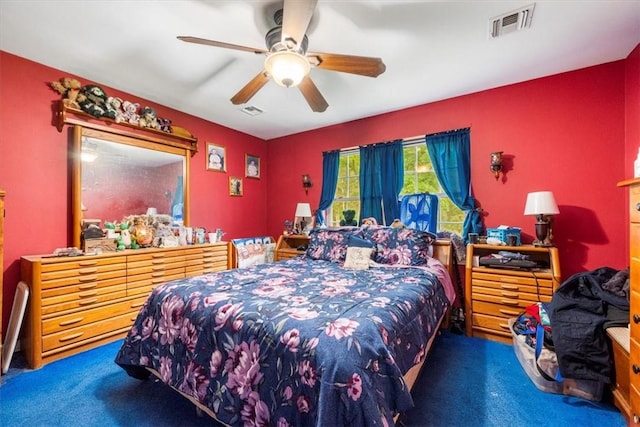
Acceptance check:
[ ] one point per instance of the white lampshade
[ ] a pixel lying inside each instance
(303, 210)
(541, 203)
(287, 68)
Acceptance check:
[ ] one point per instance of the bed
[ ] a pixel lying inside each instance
(316, 340)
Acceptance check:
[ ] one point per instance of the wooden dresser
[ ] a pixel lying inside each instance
(493, 295)
(633, 400)
(77, 303)
(2, 194)
(287, 246)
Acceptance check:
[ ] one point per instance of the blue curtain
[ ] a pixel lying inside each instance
(330, 164)
(450, 154)
(381, 180)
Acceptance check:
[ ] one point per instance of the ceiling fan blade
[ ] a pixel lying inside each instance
(250, 89)
(296, 18)
(198, 40)
(361, 65)
(313, 96)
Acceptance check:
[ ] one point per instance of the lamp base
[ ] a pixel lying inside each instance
(543, 232)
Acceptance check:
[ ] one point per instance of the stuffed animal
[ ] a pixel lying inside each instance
(165, 125)
(69, 89)
(367, 222)
(148, 119)
(397, 224)
(349, 218)
(94, 100)
(114, 109)
(131, 112)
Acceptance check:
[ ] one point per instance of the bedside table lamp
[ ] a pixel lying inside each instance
(303, 211)
(543, 205)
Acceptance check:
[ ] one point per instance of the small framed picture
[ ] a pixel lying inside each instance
(216, 158)
(251, 166)
(235, 186)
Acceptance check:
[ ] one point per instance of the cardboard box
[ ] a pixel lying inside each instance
(104, 244)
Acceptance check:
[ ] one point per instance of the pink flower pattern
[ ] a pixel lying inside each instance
(227, 340)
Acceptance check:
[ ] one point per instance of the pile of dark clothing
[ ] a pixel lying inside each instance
(580, 311)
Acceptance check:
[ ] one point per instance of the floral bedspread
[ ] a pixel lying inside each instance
(297, 342)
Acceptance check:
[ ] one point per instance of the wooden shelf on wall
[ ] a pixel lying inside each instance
(65, 115)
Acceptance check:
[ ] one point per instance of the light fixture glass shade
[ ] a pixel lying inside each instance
(287, 68)
(303, 210)
(541, 203)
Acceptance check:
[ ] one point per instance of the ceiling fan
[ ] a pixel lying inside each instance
(287, 60)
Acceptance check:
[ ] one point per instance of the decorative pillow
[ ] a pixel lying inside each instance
(358, 258)
(404, 246)
(330, 244)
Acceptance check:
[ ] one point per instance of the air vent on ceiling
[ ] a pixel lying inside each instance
(509, 22)
(251, 110)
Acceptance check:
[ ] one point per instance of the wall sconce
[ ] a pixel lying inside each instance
(543, 205)
(306, 183)
(496, 163)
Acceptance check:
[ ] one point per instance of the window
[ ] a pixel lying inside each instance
(419, 177)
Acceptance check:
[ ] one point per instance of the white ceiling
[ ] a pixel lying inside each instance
(433, 50)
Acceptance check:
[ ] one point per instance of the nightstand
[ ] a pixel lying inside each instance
(495, 294)
(287, 246)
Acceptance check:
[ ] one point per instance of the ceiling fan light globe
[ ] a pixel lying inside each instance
(287, 68)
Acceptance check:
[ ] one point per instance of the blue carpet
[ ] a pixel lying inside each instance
(466, 382)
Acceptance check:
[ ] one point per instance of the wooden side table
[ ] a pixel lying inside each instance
(288, 246)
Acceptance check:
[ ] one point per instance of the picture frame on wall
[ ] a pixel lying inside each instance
(216, 157)
(252, 166)
(235, 186)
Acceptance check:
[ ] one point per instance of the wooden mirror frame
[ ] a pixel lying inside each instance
(85, 126)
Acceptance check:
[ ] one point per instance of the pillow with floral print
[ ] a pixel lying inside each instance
(330, 244)
(404, 246)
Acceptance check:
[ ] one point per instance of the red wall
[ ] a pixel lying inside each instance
(34, 170)
(564, 133)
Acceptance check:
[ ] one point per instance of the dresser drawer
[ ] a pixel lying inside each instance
(498, 310)
(98, 329)
(491, 322)
(145, 283)
(634, 201)
(84, 275)
(54, 324)
(157, 267)
(49, 266)
(156, 256)
(542, 281)
(521, 300)
(86, 299)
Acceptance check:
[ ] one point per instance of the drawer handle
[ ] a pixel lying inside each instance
(88, 294)
(509, 287)
(636, 369)
(509, 294)
(157, 273)
(87, 286)
(91, 278)
(71, 321)
(88, 301)
(157, 261)
(87, 271)
(157, 280)
(504, 326)
(509, 312)
(636, 319)
(509, 302)
(71, 337)
(87, 263)
(137, 305)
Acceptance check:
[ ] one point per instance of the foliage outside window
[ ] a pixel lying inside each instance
(419, 177)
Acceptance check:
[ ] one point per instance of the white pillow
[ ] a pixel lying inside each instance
(358, 258)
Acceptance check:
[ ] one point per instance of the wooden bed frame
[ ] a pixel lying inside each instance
(442, 251)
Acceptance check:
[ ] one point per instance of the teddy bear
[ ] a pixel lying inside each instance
(349, 218)
(148, 119)
(70, 89)
(165, 125)
(114, 109)
(397, 224)
(131, 112)
(94, 100)
(367, 222)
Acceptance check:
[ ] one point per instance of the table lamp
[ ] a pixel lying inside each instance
(543, 205)
(303, 211)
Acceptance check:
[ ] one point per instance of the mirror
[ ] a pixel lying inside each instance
(117, 173)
